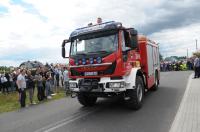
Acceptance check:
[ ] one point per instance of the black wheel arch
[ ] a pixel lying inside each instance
(140, 73)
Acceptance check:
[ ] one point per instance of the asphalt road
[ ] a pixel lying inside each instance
(109, 115)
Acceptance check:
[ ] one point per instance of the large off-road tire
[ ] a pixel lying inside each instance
(136, 95)
(155, 86)
(86, 100)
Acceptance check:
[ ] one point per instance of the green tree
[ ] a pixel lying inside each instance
(4, 68)
(160, 56)
(197, 53)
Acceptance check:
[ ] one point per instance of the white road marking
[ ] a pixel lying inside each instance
(182, 102)
(63, 122)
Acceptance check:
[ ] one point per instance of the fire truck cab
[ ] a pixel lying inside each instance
(107, 60)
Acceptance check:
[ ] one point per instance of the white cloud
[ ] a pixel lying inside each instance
(177, 41)
(23, 31)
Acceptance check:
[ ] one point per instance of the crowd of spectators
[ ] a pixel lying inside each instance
(177, 65)
(47, 80)
(189, 64)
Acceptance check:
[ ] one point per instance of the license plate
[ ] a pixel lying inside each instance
(91, 73)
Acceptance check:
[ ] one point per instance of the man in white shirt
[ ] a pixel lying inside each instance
(21, 83)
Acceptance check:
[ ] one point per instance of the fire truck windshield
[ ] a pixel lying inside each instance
(93, 45)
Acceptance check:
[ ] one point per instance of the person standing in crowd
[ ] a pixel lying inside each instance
(199, 68)
(30, 86)
(52, 74)
(4, 84)
(52, 71)
(11, 83)
(40, 95)
(15, 74)
(21, 83)
(164, 66)
(56, 79)
(196, 67)
(189, 64)
(66, 79)
(8, 81)
(48, 85)
(43, 74)
(161, 66)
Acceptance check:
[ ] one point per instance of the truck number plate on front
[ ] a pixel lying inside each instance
(91, 73)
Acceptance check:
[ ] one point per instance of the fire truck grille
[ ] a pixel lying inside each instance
(86, 85)
(110, 70)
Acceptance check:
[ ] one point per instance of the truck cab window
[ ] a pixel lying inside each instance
(124, 47)
(123, 42)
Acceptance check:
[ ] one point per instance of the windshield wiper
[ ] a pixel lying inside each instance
(81, 54)
(100, 51)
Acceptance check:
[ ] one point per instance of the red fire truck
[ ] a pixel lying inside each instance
(107, 60)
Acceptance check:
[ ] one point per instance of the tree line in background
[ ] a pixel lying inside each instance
(4, 69)
(197, 53)
(177, 58)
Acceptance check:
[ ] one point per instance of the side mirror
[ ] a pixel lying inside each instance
(63, 47)
(133, 32)
(134, 38)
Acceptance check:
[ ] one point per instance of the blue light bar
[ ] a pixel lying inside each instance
(91, 60)
(83, 61)
(99, 60)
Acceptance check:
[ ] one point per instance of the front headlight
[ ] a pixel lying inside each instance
(116, 85)
(72, 85)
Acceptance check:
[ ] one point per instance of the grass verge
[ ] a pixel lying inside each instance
(10, 102)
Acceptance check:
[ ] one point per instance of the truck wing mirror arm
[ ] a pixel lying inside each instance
(63, 47)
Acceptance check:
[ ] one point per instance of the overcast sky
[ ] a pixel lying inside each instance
(34, 29)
